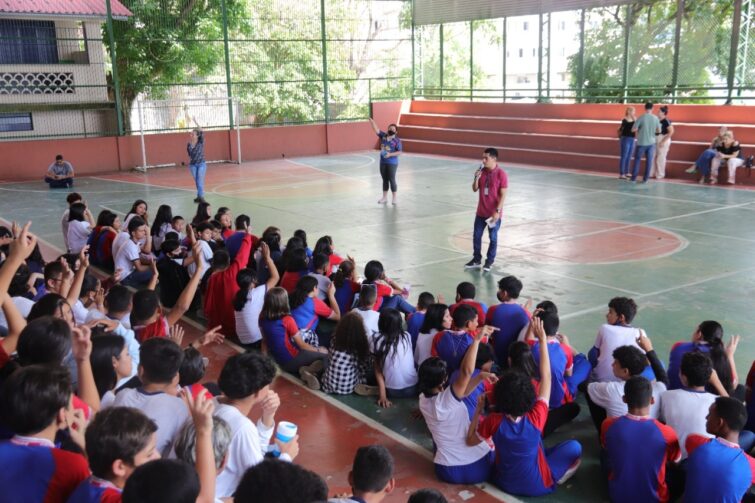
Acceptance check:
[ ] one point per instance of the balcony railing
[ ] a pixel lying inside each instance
(36, 83)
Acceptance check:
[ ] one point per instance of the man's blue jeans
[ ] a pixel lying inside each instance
(197, 172)
(649, 152)
(479, 228)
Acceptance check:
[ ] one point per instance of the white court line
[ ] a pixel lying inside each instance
(328, 172)
(710, 234)
(143, 184)
(111, 209)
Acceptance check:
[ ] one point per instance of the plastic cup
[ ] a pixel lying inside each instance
(286, 431)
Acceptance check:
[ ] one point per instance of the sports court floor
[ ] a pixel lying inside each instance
(682, 251)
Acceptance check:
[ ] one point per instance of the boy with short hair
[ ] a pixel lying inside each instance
(320, 266)
(717, 469)
(637, 448)
(274, 481)
(160, 360)
(415, 320)
(451, 345)
(127, 257)
(617, 332)
(370, 317)
(245, 381)
(371, 477)
(204, 252)
(118, 440)
(508, 316)
(35, 403)
(178, 223)
(465, 294)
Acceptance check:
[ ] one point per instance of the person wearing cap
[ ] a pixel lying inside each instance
(59, 174)
(662, 144)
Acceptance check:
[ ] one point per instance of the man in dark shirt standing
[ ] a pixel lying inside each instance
(197, 164)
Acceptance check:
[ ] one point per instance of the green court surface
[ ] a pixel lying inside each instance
(684, 252)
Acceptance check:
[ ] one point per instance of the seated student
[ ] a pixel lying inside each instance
(320, 264)
(437, 319)
(134, 272)
(325, 246)
(20, 293)
(73, 197)
(717, 469)
(91, 298)
(605, 398)
(233, 241)
(160, 359)
(296, 267)
(178, 225)
(349, 359)
(222, 288)
(370, 317)
(200, 248)
(101, 240)
(57, 279)
(162, 480)
(483, 364)
(523, 465)
(637, 448)
(394, 360)
(80, 223)
(161, 225)
(191, 372)
(35, 403)
(284, 340)
(465, 294)
(118, 304)
(427, 496)
(307, 309)
(451, 345)
(615, 333)
(173, 275)
(245, 382)
(224, 217)
(248, 302)
(459, 458)
(271, 236)
(545, 305)
(371, 476)
(685, 409)
(138, 209)
(389, 293)
(508, 316)
(567, 369)
(111, 364)
(415, 320)
(118, 440)
(707, 338)
(347, 284)
(59, 174)
(274, 481)
(186, 445)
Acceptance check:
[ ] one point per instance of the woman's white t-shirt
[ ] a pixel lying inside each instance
(78, 234)
(447, 419)
(248, 319)
(423, 348)
(398, 368)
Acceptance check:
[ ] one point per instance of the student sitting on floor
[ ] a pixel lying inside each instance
(118, 440)
(349, 358)
(245, 382)
(284, 341)
(465, 294)
(370, 317)
(345, 279)
(450, 345)
(111, 363)
(459, 458)
(615, 333)
(320, 266)
(73, 197)
(101, 239)
(389, 293)
(371, 476)
(508, 316)
(523, 466)
(483, 364)
(36, 403)
(59, 174)
(80, 224)
(637, 448)
(247, 303)
(717, 469)
(296, 267)
(437, 319)
(394, 360)
(415, 320)
(307, 309)
(134, 271)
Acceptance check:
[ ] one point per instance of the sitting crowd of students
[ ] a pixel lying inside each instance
(101, 399)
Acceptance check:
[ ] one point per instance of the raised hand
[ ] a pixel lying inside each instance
(731, 347)
(212, 335)
(201, 409)
(644, 342)
(485, 331)
(24, 244)
(176, 334)
(538, 329)
(84, 257)
(81, 337)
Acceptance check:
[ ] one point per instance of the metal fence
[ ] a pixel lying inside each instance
(312, 61)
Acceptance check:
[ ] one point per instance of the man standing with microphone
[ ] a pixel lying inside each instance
(491, 182)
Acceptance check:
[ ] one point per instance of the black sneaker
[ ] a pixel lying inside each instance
(488, 266)
(472, 264)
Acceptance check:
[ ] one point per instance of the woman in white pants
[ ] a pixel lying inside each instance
(662, 144)
(729, 153)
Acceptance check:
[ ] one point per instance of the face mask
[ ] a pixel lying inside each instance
(391, 132)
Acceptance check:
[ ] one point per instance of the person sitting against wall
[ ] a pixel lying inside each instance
(703, 162)
(728, 153)
(59, 174)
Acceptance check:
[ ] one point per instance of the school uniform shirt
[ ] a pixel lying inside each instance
(520, 466)
(637, 450)
(96, 490)
(685, 411)
(23, 305)
(307, 315)
(678, 350)
(609, 395)
(220, 291)
(475, 305)
(414, 322)
(119, 241)
(424, 347)
(451, 346)
(158, 328)
(206, 252)
(370, 319)
(490, 183)
(157, 241)
(562, 360)
(334, 262)
(80, 312)
(323, 284)
(383, 290)
(247, 448)
(398, 368)
(233, 243)
(509, 319)
(343, 372)
(101, 247)
(125, 257)
(609, 338)
(345, 295)
(278, 336)
(33, 470)
(290, 279)
(470, 401)
(248, 319)
(167, 411)
(447, 419)
(717, 470)
(78, 234)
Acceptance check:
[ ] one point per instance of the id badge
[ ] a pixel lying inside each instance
(487, 191)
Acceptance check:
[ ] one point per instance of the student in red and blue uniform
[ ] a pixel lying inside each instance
(483, 363)
(451, 345)
(717, 469)
(307, 309)
(297, 266)
(281, 334)
(523, 466)
(508, 316)
(345, 280)
(389, 293)
(118, 440)
(465, 294)
(36, 404)
(637, 448)
(415, 320)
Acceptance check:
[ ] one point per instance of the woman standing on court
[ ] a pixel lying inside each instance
(197, 164)
(663, 143)
(626, 142)
(390, 149)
